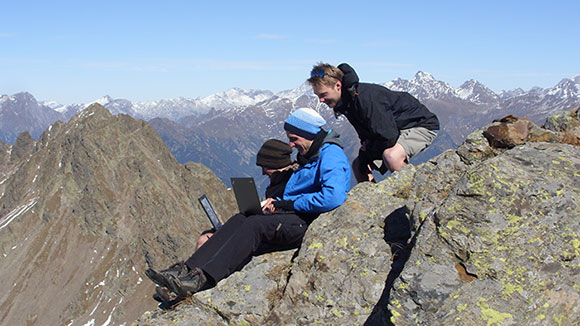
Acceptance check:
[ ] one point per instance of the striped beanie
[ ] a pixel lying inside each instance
(304, 122)
(274, 154)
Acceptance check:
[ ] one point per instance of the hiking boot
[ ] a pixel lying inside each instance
(186, 285)
(162, 294)
(162, 278)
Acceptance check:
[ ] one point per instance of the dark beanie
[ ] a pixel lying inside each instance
(274, 154)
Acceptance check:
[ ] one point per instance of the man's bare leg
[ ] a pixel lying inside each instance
(395, 157)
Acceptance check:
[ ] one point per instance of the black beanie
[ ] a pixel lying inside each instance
(274, 154)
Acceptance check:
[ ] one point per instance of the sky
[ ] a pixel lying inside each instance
(79, 51)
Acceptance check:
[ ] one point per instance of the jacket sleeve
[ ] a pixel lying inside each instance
(380, 123)
(334, 181)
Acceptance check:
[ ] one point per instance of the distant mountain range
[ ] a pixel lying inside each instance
(224, 130)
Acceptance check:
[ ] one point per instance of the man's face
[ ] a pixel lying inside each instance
(302, 144)
(327, 94)
(269, 171)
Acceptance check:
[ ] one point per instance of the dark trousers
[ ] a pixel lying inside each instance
(242, 237)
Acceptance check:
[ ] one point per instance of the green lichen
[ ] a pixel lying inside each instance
(492, 316)
(394, 315)
(509, 288)
(337, 313)
(452, 224)
(342, 242)
(314, 245)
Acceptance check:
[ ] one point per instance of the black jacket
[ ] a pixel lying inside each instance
(378, 113)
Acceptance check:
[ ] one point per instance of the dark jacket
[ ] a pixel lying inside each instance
(378, 113)
(278, 182)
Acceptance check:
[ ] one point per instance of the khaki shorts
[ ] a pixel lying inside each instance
(413, 140)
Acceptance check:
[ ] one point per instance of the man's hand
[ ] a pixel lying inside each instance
(268, 206)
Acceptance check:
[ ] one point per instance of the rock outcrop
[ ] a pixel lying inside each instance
(84, 210)
(479, 235)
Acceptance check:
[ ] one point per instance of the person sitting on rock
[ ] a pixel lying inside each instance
(274, 157)
(319, 185)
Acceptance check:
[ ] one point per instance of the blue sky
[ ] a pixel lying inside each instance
(78, 51)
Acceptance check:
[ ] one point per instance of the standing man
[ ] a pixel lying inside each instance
(392, 126)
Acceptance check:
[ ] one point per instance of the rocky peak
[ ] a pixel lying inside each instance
(423, 86)
(21, 112)
(22, 148)
(477, 93)
(481, 235)
(84, 211)
(565, 89)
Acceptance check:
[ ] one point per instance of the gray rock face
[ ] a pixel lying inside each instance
(84, 210)
(494, 239)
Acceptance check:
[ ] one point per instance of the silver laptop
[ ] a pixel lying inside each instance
(210, 212)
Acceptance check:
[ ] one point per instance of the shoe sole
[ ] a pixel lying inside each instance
(162, 294)
(158, 278)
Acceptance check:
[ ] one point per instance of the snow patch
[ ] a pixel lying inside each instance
(108, 321)
(95, 309)
(90, 323)
(102, 283)
(6, 220)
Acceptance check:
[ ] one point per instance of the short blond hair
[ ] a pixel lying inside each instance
(330, 75)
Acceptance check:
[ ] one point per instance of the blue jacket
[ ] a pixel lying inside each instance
(321, 184)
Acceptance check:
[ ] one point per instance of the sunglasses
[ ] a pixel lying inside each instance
(317, 72)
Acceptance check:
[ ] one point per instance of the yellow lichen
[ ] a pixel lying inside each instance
(509, 288)
(343, 243)
(492, 316)
(452, 224)
(315, 245)
(394, 314)
(337, 313)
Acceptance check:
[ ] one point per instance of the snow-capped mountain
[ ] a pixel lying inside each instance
(21, 112)
(175, 109)
(234, 123)
(423, 86)
(475, 92)
(294, 94)
(235, 97)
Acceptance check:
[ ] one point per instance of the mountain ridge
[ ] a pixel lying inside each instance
(226, 129)
(423, 86)
(85, 209)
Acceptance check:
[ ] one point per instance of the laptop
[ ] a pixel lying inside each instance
(210, 212)
(247, 196)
